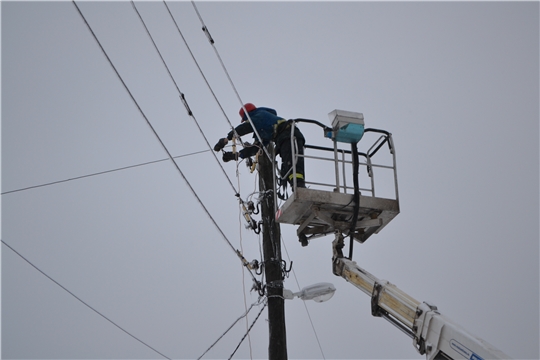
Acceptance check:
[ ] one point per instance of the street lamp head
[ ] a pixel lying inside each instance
(318, 292)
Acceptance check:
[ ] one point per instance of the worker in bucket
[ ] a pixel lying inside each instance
(270, 127)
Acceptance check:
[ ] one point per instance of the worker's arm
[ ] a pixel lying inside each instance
(242, 129)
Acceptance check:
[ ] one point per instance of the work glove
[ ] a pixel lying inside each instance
(221, 144)
(229, 156)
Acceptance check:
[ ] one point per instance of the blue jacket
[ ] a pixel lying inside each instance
(263, 119)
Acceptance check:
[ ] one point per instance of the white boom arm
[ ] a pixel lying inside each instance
(433, 334)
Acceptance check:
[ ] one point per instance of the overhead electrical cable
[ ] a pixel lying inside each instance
(99, 173)
(305, 306)
(226, 117)
(254, 321)
(182, 97)
(83, 302)
(258, 302)
(197, 64)
(237, 192)
(237, 252)
(242, 249)
(211, 40)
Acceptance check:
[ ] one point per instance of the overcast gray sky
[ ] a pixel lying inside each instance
(457, 84)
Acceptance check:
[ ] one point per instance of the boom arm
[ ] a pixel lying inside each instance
(433, 334)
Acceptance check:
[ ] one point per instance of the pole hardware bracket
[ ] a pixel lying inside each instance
(337, 249)
(376, 310)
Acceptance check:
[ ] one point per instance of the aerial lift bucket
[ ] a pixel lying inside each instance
(324, 208)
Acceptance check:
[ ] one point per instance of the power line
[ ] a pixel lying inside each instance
(99, 173)
(240, 256)
(230, 327)
(211, 40)
(197, 64)
(233, 129)
(305, 306)
(82, 301)
(242, 249)
(247, 332)
(237, 192)
(182, 97)
(170, 157)
(202, 73)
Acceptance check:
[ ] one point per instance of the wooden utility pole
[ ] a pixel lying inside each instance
(277, 347)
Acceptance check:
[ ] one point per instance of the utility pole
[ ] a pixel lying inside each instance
(277, 347)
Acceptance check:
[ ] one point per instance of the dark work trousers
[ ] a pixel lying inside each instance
(283, 148)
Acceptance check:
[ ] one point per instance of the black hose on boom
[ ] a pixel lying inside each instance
(356, 196)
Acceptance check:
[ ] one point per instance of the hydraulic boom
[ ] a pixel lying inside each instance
(433, 334)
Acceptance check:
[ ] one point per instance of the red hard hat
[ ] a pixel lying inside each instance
(249, 107)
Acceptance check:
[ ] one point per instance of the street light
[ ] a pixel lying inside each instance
(318, 292)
